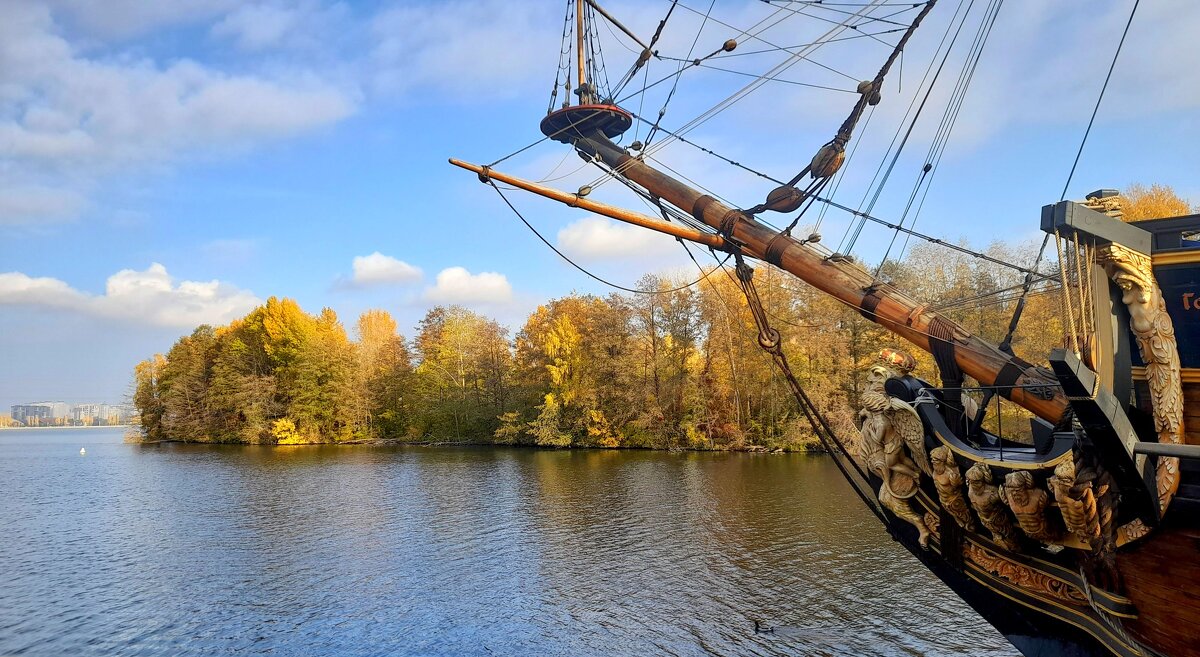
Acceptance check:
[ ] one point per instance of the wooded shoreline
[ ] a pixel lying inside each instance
(672, 367)
(745, 449)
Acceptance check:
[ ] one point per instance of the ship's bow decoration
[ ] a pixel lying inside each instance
(949, 484)
(893, 443)
(1076, 499)
(993, 512)
(1028, 504)
(1155, 334)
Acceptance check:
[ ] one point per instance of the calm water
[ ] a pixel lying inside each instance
(173, 550)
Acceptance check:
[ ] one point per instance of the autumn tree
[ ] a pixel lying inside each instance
(1153, 202)
(463, 373)
(147, 398)
(183, 386)
(384, 374)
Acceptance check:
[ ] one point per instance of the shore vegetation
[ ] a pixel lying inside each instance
(669, 368)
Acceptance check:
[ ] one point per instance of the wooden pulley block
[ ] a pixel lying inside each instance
(827, 161)
(784, 199)
(867, 88)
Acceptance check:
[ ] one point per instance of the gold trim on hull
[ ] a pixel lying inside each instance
(1187, 374)
(1177, 258)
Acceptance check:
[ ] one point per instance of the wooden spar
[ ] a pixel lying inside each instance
(595, 5)
(620, 214)
(1037, 389)
(584, 96)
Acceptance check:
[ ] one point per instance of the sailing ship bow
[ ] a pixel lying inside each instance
(1100, 567)
(589, 127)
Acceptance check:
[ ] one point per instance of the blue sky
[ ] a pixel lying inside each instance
(166, 164)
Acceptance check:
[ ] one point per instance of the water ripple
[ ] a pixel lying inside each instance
(209, 550)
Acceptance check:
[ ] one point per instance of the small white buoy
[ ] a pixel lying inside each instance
(83, 451)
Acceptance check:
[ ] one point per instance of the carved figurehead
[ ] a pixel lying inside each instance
(893, 447)
(1155, 334)
(1028, 504)
(949, 484)
(1077, 502)
(993, 513)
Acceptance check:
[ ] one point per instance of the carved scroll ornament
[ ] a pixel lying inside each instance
(1017, 574)
(1155, 334)
(1023, 576)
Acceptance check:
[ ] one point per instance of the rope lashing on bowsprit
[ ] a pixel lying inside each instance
(830, 157)
(771, 342)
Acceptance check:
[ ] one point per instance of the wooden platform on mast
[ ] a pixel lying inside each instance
(570, 123)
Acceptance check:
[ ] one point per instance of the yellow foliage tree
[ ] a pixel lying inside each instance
(284, 431)
(1153, 202)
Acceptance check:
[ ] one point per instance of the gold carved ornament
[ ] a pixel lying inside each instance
(1155, 334)
(1028, 503)
(1023, 576)
(1076, 501)
(993, 512)
(949, 484)
(1019, 575)
(893, 444)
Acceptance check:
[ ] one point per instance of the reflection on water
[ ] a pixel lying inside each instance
(184, 549)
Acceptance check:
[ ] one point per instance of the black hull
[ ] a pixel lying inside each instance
(1035, 622)
(1033, 633)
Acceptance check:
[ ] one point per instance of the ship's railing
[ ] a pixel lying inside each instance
(1174, 233)
(1001, 425)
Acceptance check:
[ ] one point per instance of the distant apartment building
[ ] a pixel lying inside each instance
(113, 414)
(39, 413)
(89, 412)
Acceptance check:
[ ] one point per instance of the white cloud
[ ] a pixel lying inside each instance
(35, 204)
(149, 297)
(457, 285)
(464, 47)
(122, 19)
(255, 27)
(68, 119)
(596, 238)
(18, 289)
(274, 24)
(378, 269)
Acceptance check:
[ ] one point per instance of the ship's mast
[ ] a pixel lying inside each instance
(580, 54)
(590, 129)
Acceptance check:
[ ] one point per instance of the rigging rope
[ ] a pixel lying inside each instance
(855, 229)
(949, 118)
(771, 342)
(832, 152)
(576, 265)
(745, 53)
(564, 63)
(749, 88)
(675, 85)
(1020, 309)
(1103, 88)
(644, 58)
